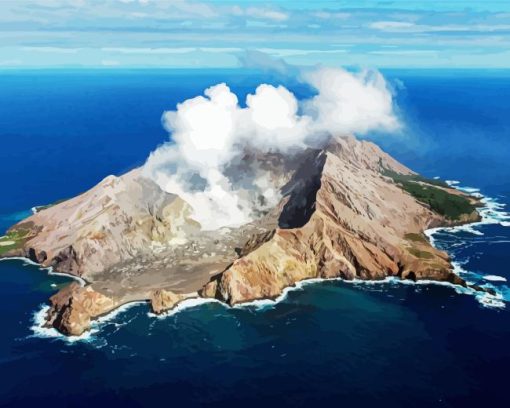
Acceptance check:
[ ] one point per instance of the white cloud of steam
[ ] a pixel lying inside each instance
(349, 103)
(205, 162)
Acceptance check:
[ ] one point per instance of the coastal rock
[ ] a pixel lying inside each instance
(73, 308)
(164, 300)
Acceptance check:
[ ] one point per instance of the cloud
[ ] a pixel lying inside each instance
(10, 63)
(133, 50)
(200, 9)
(350, 102)
(55, 50)
(326, 15)
(408, 27)
(110, 63)
(211, 161)
(417, 53)
(260, 60)
(392, 25)
(294, 30)
(209, 133)
(266, 13)
(286, 52)
(167, 50)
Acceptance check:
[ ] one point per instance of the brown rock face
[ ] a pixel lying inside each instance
(74, 306)
(339, 216)
(163, 300)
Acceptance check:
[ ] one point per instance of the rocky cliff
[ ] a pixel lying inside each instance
(348, 210)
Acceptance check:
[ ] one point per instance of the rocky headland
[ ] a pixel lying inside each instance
(347, 211)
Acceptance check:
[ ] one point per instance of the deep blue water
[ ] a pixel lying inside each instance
(330, 343)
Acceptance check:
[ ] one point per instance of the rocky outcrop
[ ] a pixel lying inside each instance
(73, 308)
(163, 300)
(340, 215)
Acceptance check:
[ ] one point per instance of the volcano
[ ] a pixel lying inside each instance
(347, 210)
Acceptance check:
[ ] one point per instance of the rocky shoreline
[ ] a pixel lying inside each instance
(340, 216)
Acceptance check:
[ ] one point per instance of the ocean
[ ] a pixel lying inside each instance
(332, 343)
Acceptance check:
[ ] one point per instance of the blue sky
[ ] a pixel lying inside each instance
(200, 34)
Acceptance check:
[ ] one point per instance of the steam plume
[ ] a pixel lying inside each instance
(205, 162)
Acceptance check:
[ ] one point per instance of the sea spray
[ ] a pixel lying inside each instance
(186, 304)
(40, 330)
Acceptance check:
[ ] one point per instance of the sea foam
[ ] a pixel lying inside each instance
(184, 305)
(494, 278)
(48, 269)
(39, 330)
(492, 212)
(39, 319)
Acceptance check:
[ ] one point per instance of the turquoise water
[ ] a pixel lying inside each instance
(333, 343)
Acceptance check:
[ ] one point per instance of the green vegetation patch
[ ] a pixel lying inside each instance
(449, 205)
(421, 254)
(12, 240)
(416, 238)
(401, 178)
(5, 246)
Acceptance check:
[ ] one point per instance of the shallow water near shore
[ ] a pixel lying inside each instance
(323, 342)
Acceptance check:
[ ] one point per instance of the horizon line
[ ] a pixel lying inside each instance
(216, 68)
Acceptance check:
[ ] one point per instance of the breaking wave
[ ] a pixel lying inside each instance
(184, 305)
(39, 330)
